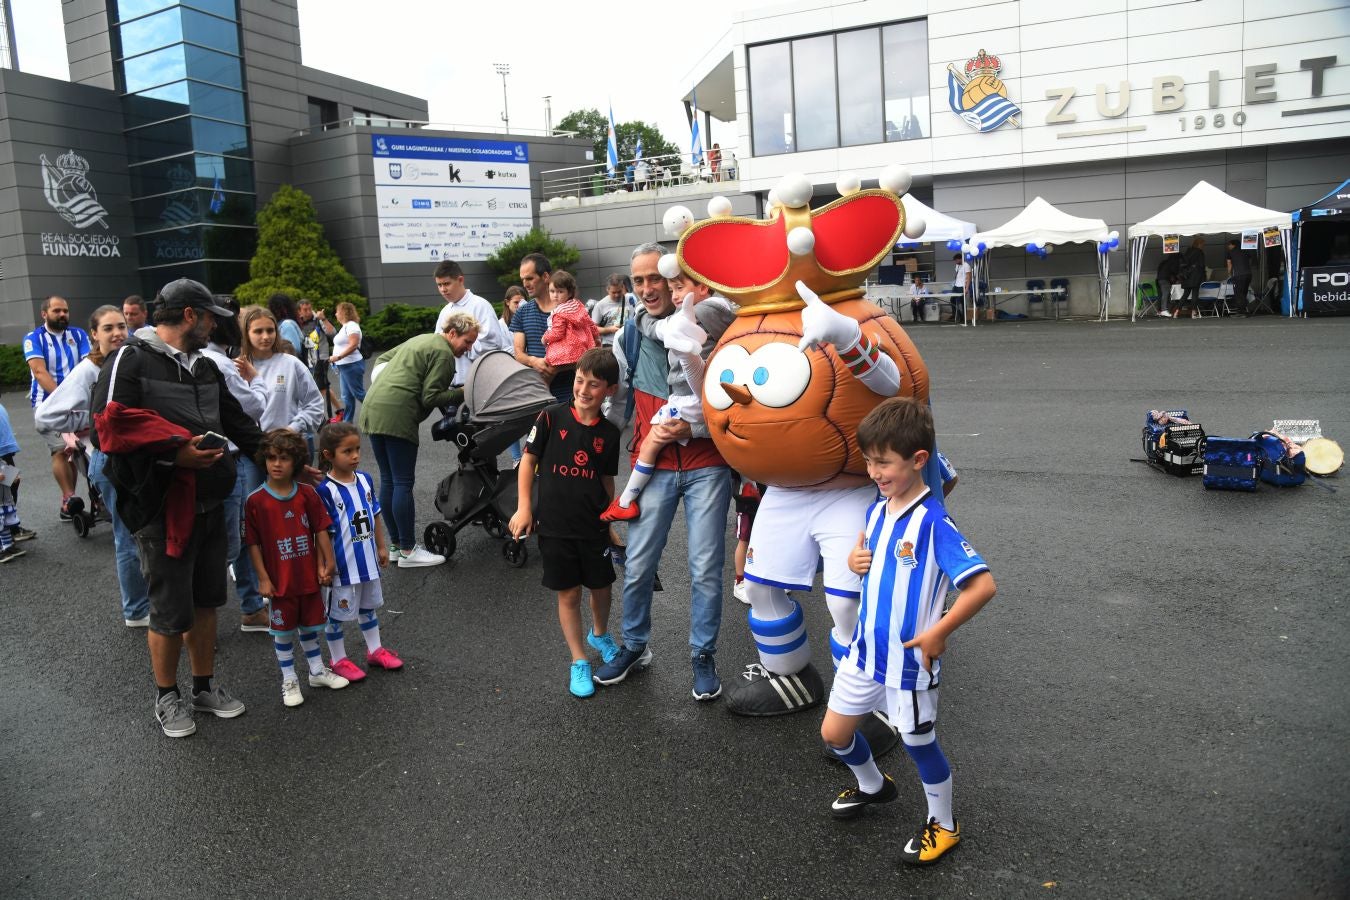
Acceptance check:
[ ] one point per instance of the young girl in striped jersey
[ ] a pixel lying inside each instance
(360, 546)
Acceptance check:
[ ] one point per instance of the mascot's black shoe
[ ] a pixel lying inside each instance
(881, 737)
(759, 692)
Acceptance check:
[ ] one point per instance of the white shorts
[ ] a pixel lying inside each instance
(346, 600)
(794, 528)
(854, 694)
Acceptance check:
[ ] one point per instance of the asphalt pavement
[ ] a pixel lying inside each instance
(1156, 704)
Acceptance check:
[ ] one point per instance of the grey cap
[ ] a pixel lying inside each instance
(185, 292)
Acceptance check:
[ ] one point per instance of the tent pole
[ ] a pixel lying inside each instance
(1286, 238)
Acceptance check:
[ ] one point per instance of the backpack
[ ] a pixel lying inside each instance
(367, 348)
(631, 341)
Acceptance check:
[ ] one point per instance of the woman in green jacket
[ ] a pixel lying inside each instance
(410, 382)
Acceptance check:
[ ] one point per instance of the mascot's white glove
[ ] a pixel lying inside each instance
(682, 332)
(822, 325)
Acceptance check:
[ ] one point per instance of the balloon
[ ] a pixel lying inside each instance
(677, 220)
(895, 179)
(794, 190)
(953, 245)
(848, 183)
(915, 227)
(718, 207)
(800, 241)
(668, 265)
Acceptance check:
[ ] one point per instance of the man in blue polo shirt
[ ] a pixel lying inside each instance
(51, 351)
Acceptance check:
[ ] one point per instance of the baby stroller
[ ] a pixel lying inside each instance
(84, 519)
(502, 398)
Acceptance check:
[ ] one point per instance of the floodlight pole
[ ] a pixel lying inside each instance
(504, 69)
(548, 113)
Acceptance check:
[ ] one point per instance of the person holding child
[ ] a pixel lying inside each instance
(360, 550)
(893, 663)
(576, 454)
(286, 532)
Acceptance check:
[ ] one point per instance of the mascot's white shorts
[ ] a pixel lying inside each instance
(795, 527)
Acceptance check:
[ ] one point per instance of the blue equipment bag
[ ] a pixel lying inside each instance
(1231, 464)
(1277, 466)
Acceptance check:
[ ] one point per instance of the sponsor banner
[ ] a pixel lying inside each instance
(444, 198)
(1326, 291)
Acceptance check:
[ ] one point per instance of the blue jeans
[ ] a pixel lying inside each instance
(135, 592)
(248, 478)
(397, 460)
(516, 451)
(707, 495)
(353, 378)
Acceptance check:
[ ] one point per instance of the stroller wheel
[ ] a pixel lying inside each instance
(515, 553)
(83, 522)
(493, 525)
(438, 538)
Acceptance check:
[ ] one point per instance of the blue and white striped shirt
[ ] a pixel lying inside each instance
(916, 557)
(353, 508)
(61, 352)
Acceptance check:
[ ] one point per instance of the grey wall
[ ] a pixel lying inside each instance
(47, 116)
(88, 43)
(607, 231)
(336, 168)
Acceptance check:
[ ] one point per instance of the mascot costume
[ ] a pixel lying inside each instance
(806, 359)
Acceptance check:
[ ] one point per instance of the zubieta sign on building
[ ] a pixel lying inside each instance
(448, 198)
(1326, 290)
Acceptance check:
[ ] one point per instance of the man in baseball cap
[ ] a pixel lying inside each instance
(185, 293)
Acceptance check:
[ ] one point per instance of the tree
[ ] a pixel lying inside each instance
(293, 257)
(593, 124)
(506, 261)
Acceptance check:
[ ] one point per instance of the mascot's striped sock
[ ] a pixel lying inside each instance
(309, 640)
(285, 649)
(781, 642)
(337, 645)
(935, 774)
(642, 473)
(858, 757)
(370, 629)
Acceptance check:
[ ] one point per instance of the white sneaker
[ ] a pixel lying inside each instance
(1165, 314)
(419, 556)
(290, 693)
(740, 592)
(329, 679)
(143, 622)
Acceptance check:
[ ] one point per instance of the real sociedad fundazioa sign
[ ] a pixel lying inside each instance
(69, 192)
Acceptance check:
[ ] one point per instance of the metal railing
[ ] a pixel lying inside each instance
(385, 122)
(638, 174)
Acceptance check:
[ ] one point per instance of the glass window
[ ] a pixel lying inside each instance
(191, 170)
(859, 55)
(814, 93)
(321, 112)
(219, 137)
(183, 135)
(214, 32)
(221, 276)
(153, 69)
(130, 9)
(217, 68)
(904, 49)
(169, 101)
(771, 99)
(225, 8)
(152, 32)
(191, 207)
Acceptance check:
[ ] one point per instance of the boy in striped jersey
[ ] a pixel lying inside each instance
(908, 557)
(360, 548)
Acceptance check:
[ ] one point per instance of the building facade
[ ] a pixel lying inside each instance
(181, 119)
(1110, 110)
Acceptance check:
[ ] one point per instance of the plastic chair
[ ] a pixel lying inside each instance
(1146, 298)
(1061, 299)
(1035, 299)
(1207, 302)
(1229, 303)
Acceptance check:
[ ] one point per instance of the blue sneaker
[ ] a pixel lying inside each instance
(707, 686)
(617, 669)
(604, 645)
(581, 685)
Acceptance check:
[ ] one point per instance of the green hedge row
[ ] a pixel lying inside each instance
(13, 370)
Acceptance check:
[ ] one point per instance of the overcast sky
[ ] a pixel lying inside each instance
(587, 55)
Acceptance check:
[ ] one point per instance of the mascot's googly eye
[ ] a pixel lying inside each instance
(727, 365)
(779, 374)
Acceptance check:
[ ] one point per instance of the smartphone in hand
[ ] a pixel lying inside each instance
(212, 441)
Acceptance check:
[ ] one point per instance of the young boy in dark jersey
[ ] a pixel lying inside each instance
(575, 453)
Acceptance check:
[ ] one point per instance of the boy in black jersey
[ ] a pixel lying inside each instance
(575, 453)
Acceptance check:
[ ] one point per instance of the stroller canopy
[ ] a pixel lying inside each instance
(499, 389)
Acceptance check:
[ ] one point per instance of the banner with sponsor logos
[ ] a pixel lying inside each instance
(1326, 290)
(447, 198)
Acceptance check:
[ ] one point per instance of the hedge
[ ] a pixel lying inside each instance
(13, 369)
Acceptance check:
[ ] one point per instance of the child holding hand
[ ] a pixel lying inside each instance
(286, 532)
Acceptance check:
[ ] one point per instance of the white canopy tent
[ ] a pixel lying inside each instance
(1042, 223)
(937, 226)
(1206, 210)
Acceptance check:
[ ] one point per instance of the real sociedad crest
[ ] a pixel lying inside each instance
(69, 192)
(978, 96)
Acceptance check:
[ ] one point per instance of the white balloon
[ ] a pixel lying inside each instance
(677, 220)
(895, 179)
(1049, 248)
(718, 207)
(915, 227)
(1115, 235)
(668, 266)
(773, 199)
(848, 183)
(794, 190)
(801, 241)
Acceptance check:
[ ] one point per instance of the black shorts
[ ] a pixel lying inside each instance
(195, 580)
(569, 562)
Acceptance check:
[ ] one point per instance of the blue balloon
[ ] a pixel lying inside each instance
(1103, 249)
(1031, 248)
(953, 244)
(983, 247)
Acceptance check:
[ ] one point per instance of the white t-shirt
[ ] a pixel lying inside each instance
(349, 332)
(959, 279)
(491, 336)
